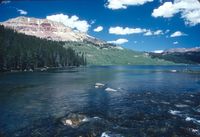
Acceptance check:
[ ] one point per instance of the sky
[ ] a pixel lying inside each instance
(143, 25)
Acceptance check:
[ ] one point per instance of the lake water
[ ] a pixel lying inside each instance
(149, 101)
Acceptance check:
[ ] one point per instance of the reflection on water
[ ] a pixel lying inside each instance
(149, 101)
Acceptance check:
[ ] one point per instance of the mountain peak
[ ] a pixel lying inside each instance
(47, 29)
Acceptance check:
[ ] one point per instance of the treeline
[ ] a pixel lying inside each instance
(186, 58)
(22, 52)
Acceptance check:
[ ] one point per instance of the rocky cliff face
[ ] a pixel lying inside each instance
(47, 29)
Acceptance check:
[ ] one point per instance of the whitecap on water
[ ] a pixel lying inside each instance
(192, 96)
(187, 101)
(153, 101)
(164, 102)
(181, 105)
(174, 112)
(196, 121)
(110, 134)
(197, 109)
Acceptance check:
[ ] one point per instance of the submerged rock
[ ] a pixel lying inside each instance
(110, 134)
(74, 120)
(99, 85)
(110, 89)
(194, 131)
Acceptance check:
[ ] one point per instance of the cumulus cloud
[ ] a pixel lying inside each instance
(148, 33)
(118, 41)
(175, 43)
(22, 12)
(5, 2)
(177, 34)
(72, 22)
(158, 51)
(151, 33)
(123, 4)
(125, 31)
(189, 10)
(166, 10)
(158, 32)
(98, 29)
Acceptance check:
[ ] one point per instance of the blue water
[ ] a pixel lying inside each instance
(149, 101)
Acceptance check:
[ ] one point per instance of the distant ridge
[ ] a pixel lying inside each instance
(182, 50)
(180, 55)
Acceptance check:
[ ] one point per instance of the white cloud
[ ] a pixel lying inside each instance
(175, 43)
(189, 10)
(123, 4)
(72, 22)
(98, 29)
(166, 10)
(5, 2)
(125, 31)
(148, 33)
(158, 51)
(158, 32)
(177, 34)
(22, 12)
(167, 31)
(118, 41)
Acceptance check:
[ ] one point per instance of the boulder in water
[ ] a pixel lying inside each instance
(173, 70)
(74, 120)
(110, 89)
(99, 85)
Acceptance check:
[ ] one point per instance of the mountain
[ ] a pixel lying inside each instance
(180, 55)
(96, 52)
(51, 30)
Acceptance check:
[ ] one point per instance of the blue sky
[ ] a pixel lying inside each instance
(144, 25)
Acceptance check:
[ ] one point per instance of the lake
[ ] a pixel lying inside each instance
(146, 101)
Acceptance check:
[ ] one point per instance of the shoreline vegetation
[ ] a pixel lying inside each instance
(24, 53)
(72, 69)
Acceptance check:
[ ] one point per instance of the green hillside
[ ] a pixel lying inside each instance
(112, 56)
